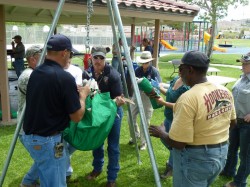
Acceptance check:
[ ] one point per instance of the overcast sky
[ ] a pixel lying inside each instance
(238, 13)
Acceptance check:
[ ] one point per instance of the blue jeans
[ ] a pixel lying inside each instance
(51, 170)
(32, 176)
(113, 150)
(198, 167)
(18, 64)
(239, 138)
(116, 64)
(167, 124)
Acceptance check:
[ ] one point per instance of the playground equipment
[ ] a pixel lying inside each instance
(167, 45)
(215, 48)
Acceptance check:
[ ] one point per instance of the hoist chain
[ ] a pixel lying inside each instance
(89, 13)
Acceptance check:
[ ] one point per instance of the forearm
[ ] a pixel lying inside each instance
(165, 137)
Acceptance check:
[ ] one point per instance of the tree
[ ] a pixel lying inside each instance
(214, 10)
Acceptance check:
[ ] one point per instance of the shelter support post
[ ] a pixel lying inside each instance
(137, 94)
(156, 43)
(4, 88)
(131, 126)
(132, 52)
(20, 122)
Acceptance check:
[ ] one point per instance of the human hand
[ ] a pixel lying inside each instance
(156, 131)
(12, 43)
(119, 100)
(160, 100)
(83, 91)
(247, 118)
(155, 83)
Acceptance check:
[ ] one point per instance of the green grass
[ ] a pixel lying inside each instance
(131, 173)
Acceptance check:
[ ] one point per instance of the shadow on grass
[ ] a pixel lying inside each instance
(7, 130)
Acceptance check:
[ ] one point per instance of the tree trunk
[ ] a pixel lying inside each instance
(211, 41)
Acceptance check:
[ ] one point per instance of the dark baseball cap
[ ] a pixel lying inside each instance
(244, 58)
(17, 37)
(59, 42)
(196, 59)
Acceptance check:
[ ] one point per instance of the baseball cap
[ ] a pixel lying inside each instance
(196, 59)
(34, 49)
(17, 37)
(244, 58)
(59, 42)
(96, 51)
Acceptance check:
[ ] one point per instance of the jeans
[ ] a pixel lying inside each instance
(32, 176)
(51, 170)
(239, 138)
(198, 167)
(116, 64)
(113, 150)
(167, 124)
(18, 64)
(70, 150)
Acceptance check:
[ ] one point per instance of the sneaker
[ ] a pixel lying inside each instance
(131, 142)
(110, 184)
(224, 174)
(230, 184)
(93, 175)
(31, 185)
(143, 147)
(167, 173)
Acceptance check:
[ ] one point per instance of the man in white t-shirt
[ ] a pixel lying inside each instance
(75, 71)
(200, 128)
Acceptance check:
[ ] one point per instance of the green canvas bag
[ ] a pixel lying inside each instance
(91, 132)
(146, 86)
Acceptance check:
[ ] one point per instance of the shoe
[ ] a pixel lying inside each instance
(167, 173)
(224, 174)
(143, 147)
(93, 175)
(131, 142)
(110, 184)
(230, 184)
(32, 185)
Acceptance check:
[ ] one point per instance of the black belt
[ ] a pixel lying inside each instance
(241, 121)
(206, 146)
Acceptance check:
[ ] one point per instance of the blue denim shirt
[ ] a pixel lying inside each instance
(241, 94)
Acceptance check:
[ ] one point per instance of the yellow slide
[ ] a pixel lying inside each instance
(215, 48)
(167, 45)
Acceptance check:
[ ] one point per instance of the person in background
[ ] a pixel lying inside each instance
(18, 52)
(108, 80)
(147, 45)
(239, 136)
(115, 60)
(32, 55)
(75, 71)
(52, 100)
(200, 129)
(148, 71)
(173, 92)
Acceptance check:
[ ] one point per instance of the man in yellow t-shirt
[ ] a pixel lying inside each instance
(200, 128)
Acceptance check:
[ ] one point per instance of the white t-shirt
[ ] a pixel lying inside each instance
(76, 72)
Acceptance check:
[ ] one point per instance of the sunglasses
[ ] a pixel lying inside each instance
(98, 57)
(245, 57)
(183, 66)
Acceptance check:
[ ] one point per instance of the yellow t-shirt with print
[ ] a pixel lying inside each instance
(202, 115)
